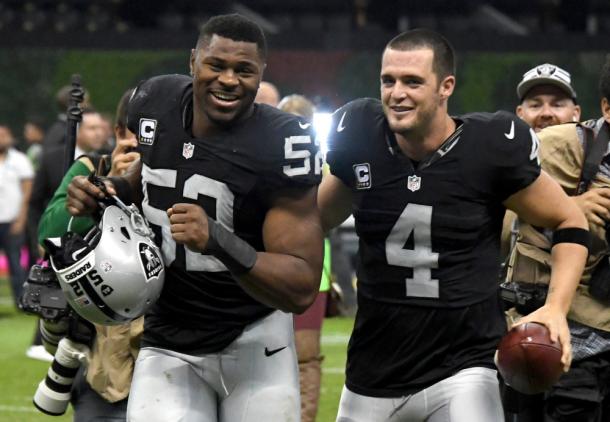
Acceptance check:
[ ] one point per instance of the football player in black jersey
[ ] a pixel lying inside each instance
(229, 188)
(428, 192)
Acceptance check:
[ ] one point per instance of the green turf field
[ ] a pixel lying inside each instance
(19, 375)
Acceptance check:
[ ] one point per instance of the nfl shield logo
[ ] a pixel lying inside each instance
(413, 183)
(187, 150)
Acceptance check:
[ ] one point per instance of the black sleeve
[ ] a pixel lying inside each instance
(296, 160)
(512, 147)
(350, 129)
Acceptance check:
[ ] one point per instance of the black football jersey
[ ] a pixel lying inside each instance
(430, 231)
(232, 175)
(429, 244)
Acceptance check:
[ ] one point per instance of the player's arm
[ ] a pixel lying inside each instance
(287, 275)
(83, 195)
(545, 204)
(334, 202)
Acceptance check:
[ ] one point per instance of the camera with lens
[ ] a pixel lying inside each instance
(42, 295)
(61, 329)
(525, 297)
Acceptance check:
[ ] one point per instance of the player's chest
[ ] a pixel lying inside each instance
(442, 194)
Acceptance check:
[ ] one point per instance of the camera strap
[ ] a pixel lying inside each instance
(595, 149)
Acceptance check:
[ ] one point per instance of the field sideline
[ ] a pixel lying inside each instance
(20, 375)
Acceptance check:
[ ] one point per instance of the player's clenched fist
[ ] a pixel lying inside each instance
(83, 195)
(189, 226)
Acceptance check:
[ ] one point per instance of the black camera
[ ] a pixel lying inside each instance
(525, 297)
(42, 295)
(61, 329)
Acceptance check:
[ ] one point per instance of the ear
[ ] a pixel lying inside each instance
(576, 116)
(192, 61)
(606, 109)
(519, 111)
(447, 86)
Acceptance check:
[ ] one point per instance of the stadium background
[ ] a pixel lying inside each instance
(328, 50)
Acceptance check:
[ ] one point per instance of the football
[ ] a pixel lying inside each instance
(528, 360)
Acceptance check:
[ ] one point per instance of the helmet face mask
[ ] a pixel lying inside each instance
(113, 274)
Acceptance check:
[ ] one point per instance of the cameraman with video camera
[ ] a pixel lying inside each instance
(101, 387)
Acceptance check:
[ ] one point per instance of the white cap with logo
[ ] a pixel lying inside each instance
(546, 74)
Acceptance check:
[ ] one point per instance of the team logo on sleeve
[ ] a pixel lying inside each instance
(414, 183)
(340, 126)
(147, 131)
(187, 150)
(363, 175)
(151, 261)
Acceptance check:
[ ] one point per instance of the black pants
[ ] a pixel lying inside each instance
(89, 406)
(580, 395)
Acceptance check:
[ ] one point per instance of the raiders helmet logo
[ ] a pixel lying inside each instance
(151, 261)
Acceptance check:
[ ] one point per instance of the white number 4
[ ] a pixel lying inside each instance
(416, 219)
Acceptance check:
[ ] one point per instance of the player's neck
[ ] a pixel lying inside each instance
(202, 126)
(418, 145)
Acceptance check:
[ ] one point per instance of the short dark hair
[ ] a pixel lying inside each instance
(443, 62)
(604, 80)
(235, 27)
(120, 118)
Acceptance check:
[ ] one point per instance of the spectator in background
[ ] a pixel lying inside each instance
(33, 135)
(267, 94)
(56, 135)
(581, 394)
(546, 98)
(89, 139)
(308, 325)
(109, 133)
(16, 175)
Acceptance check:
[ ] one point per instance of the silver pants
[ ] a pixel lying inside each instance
(254, 379)
(471, 395)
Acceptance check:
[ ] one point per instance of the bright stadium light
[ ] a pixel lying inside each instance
(321, 124)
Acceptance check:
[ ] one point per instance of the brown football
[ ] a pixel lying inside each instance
(528, 360)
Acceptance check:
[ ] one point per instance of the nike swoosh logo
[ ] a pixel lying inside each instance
(511, 132)
(274, 351)
(77, 252)
(340, 126)
(304, 125)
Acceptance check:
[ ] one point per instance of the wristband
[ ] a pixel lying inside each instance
(122, 188)
(572, 235)
(237, 255)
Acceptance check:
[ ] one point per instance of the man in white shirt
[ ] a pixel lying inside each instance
(16, 174)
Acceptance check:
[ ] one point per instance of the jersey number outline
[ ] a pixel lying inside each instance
(193, 186)
(291, 154)
(417, 220)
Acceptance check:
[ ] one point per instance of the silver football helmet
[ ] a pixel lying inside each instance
(113, 274)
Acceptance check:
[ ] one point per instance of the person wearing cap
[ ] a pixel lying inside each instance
(547, 97)
(582, 393)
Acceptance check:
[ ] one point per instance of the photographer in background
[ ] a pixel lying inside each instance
(101, 388)
(548, 99)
